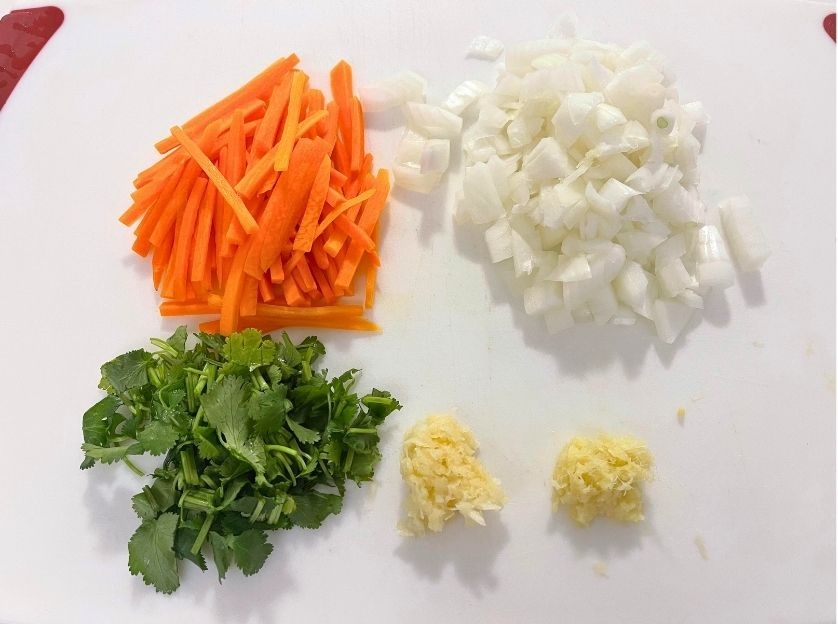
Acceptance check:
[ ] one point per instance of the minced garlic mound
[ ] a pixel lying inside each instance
(443, 476)
(602, 477)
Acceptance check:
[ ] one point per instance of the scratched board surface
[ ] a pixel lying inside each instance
(749, 476)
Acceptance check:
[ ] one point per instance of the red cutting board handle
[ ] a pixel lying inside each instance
(23, 34)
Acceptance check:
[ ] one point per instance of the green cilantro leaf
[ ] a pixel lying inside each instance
(303, 434)
(155, 499)
(226, 410)
(178, 340)
(151, 553)
(96, 420)
(250, 550)
(127, 371)
(222, 554)
(313, 507)
(157, 437)
(247, 348)
(267, 410)
(184, 538)
(110, 454)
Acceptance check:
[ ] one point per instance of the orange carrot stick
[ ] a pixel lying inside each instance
(320, 256)
(336, 311)
(292, 293)
(260, 87)
(270, 324)
(339, 210)
(277, 272)
(219, 181)
(337, 179)
(233, 293)
(292, 119)
(367, 221)
(340, 79)
(202, 235)
(357, 144)
(250, 293)
(184, 240)
(323, 284)
(266, 290)
(265, 136)
(160, 259)
(306, 279)
(149, 221)
(372, 274)
(314, 206)
(218, 223)
(196, 308)
(351, 229)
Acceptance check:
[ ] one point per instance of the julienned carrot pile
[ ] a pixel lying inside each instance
(265, 208)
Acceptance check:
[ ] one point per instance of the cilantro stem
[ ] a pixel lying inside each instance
(360, 430)
(202, 534)
(133, 467)
(164, 346)
(153, 377)
(276, 512)
(190, 471)
(257, 511)
(374, 400)
(350, 455)
(190, 392)
(258, 380)
(196, 422)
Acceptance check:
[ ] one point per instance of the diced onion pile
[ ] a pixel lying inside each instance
(584, 165)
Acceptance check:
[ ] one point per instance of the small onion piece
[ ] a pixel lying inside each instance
(485, 48)
(432, 121)
(406, 86)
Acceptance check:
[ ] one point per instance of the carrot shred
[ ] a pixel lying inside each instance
(266, 290)
(277, 272)
(259, 86)
(187, 308)
(250, 293)
(337, 179)
(233, 293)
(314, 206)
(184, 239)
(306, 279)
(339, 210)
(309, 122)
(292, 119)
(219, 181)
(160, 259)
(265, 135)
(293, 295)
(351, 229)
(340, 79)
(203, 230)
(357, 146)
(321, 259)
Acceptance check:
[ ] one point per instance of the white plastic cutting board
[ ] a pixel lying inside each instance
(751, 471)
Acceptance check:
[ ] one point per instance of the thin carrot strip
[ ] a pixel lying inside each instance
(219, 181)
(308, 284)
(351, 229)
(277, 272)
(258, 172)
(294, 260)
(334, 197)
(340, 79)
(134, 212)
(250, 292)
(253, 264)
(336, 311)
(271, 324)
(152, 189)
(265, 136)
(372, 275)
(218, 220)
(321, 259)
(293, 295)
(292, 119)
(185, 236)
(357, 145)
(266, 290)
(309, 122)
(367, 222)
(323, 283)
(233, 293)
(202, 235)
(314, 207)
(149, 221)
(259, 86)
(339, 210)
(328, 129)
(341, 156)
(160, 259)
(196, 308)
(337, 179)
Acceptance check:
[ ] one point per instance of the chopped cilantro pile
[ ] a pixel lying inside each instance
(252, 439)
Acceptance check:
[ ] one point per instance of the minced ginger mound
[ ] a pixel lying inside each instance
(444, 477)
(602, 476)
